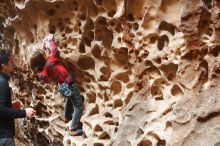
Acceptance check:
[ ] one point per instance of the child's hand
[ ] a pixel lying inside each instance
(50, 37)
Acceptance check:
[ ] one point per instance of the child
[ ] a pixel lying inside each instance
(50, 68)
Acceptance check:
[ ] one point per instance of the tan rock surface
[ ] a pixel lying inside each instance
(149, 70)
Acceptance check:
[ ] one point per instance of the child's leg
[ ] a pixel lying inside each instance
(76, 116)
(77, 101)
(68, 109)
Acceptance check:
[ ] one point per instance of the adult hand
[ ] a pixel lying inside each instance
(30, 112)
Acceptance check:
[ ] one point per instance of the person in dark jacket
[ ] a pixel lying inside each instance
(49, 68)
(7, 113)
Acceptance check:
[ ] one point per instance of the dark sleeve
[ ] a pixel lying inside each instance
(5, 99)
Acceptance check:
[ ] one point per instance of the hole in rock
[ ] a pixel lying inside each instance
(161, 143)
(90, 35)
(170, 70)
(159, 98)
(52, 29)
(168, 125)
(105, 35)
(123, 77)
(153, 39)
(109, 122)
(118, 103)
(167, 111)
(116, 87)
(215, 51)
(101, 21)
(106, 71)
(190, 55)
(107, 114)
(73, 6)
(128, 98)
(167, 26)
(155, 90)
(158, 60)
(64, 45)
(89, 24)
(111, 23)
(40, 109)
(140, 133)
(121, 55)
(82, 16)
(68, 30)
(50, 12)
(98, 144)
(106, 98)
(135, 26)
(86, 63)
(111, 13)
(161, 42)
(96, 51)
(207, 2)
(94, 110)
(98, 128)
(63, 35)
(176, 90)
(91, 97)
(118, 28)
(104, 135)
(133, 106)
(40, 98)
(130, 17)
(41, 90)
(116, 129)
(43, 124)
(103, 78)
(144, 55)
(119, 39)
(87, 41)
(145, 142)
(99, 2)
(209, 116)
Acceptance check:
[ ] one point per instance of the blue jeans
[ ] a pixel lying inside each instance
(73, 106)
(7, 142)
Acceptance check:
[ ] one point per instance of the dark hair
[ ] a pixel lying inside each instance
(37, 61)
(4, 57)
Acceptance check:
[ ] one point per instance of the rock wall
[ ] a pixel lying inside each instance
(149, 70)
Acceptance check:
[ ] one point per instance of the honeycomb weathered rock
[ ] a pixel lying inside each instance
(149, 69)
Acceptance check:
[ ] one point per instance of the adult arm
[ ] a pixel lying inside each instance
(5, 110)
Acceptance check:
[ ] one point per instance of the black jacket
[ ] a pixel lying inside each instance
(7, 114)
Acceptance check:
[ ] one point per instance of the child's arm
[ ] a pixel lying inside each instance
(43, 76)
(54, 48)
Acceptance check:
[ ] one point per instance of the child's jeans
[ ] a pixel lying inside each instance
(74, 104)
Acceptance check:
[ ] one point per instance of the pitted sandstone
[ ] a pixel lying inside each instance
(149, 70)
